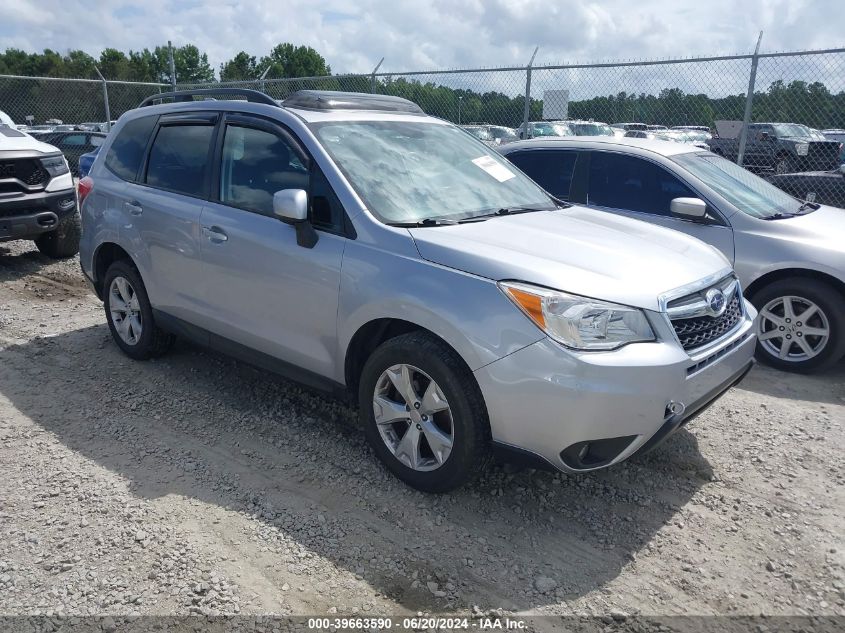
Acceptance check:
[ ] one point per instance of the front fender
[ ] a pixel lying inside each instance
(470, 313)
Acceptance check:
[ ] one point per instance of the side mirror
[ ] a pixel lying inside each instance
(291, 206)
(692, 208)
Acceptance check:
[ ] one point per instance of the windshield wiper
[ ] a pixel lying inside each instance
(780, 216)
(424, 222)
(812, 206)
(498, 212)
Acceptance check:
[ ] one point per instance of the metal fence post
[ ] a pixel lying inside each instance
(172, 65)
(373, 76)
(527, 113)
(261, 83)
(746, 118)
(105, 99)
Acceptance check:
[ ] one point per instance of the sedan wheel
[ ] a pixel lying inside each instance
(801, 324)
(413, 417)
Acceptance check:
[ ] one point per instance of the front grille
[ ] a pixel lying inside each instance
(699, 331)
(697, 323)
(27, 170)
(822, 156)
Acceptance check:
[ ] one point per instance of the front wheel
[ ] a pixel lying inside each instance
(783, 165)
(423, 413)
(63, 241)
(801, 326)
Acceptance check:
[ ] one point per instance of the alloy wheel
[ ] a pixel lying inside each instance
(125, 311)
(793, 329)
(413, 417)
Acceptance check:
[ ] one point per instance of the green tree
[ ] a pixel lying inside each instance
(287, 60)
(241, 67)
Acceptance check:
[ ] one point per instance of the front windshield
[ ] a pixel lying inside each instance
(749, 193)
(543, 128)
(503, 133)
(409, 171)
(791, 129)
(591, 129)
(480, 133)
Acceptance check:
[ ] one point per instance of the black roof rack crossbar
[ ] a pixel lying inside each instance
(253, 96)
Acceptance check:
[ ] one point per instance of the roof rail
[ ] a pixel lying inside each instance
(327, 100)
(253, 96)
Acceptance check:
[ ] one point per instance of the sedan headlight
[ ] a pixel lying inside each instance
(55, 165)
(802, 149)
(579, 322)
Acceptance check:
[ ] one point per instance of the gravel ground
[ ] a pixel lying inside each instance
(195, 484)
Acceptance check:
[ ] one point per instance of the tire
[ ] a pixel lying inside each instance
(63, 241)
(800, 293)
(152, 341)
(465, 417)
(783, 164)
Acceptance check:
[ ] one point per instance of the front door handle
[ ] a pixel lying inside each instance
(214, 234)
(133, 207)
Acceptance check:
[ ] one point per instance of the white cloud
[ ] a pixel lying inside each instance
(353, 36)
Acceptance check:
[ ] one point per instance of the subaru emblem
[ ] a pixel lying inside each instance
(716, 302)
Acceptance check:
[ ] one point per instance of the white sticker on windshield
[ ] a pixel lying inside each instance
(494, 168)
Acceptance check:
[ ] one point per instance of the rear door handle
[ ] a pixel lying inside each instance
(214, 234)
(133, 207)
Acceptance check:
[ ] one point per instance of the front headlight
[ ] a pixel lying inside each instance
(55, 165)
(802, 149)
(579, 322)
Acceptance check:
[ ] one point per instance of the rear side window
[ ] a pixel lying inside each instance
(552, 170)
(127, 150)
(178, 158)
(634, 184)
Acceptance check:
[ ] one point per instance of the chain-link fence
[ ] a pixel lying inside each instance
(37, 100)
(805, 88)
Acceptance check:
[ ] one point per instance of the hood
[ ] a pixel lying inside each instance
(821, 233)
(577, 250)
(12, 140)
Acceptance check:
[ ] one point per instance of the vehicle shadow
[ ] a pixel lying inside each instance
(826, 387)
(210, 429)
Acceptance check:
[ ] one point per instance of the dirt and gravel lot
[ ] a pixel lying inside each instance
(198, 484)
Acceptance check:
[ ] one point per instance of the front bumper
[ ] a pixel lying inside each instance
(580, 411)
(29, 215)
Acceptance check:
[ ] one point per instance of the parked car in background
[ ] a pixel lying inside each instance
(692, 128)
(86, 160)
(74, 144)
(37, 130)
(588, 128)
(631, 126)
(788, 254)
(838, 136)
(657, 128)
(539, 129)
(822, 187)
(779, 147)
(37, 198)
(492, 135)
(357, 244)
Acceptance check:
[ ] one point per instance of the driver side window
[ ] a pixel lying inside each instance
(634, 184)
(256, 164)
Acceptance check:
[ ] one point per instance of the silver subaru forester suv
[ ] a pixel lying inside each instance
(355, 244)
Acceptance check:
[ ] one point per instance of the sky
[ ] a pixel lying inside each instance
(431, 34)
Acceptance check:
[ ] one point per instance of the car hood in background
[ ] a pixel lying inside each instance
(12, 140)
(820, 233)
(578, 250)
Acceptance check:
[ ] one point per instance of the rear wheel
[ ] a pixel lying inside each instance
(801, 326)
(423, 413)
(129, 314)
(63, 241)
